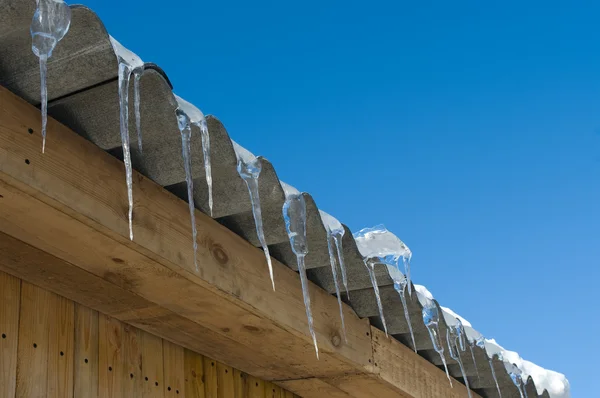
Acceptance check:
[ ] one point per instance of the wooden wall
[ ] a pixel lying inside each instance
(53, 347)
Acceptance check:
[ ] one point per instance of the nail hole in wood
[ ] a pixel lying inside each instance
(30, 131)
(34, 345)
(156, 383)
(169, 388)
(256, 384)
(367, 333)
(110, 368)
(27, 161)
(3, 335)
(145, 378)
(226, 371)
(131, 375)
(62, 353)
(212, 364)
(177, 391)
(85, 360)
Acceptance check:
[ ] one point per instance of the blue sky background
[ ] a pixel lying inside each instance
(470, 130)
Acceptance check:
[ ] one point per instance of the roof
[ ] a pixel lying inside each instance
(83, 95)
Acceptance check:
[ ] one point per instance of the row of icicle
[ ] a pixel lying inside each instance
(51, 23)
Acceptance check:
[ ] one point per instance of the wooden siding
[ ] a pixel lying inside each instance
(53, 347)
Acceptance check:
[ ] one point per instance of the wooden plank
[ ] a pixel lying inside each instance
(10, 297)
(226, 388)
(211, 386)
(152, 366)
(173, 359)
(111, 360)
(408, 374)
(160, 260)
(32, 360)
(272, 390)
(240, 380)
(256, 387)
(194, 374)
(86, 352)
(312, 388)
(61, 342)
(132, 371)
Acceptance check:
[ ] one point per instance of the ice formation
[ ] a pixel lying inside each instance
(50, 23)
(379, 246)
(455, 337)
(188, 115)
(294, 214)
(335, 232)
(431, 319)
(249, 168)
(137, 77)
(555, 383)
(128, 62)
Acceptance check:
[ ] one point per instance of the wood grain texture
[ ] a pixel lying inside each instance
(10, 297)
(32, 361)
(152, 366)
(174, 368)
(211, 380)
(194, 374)
(111, 362)
(226, 388)
(86, 352)
(61, 341)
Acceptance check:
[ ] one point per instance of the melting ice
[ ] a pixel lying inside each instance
(379, 246)
(455, 337)
(128, 62)
(515, 375)
(294, 214)
(481, 344)
(431, 319)
(51, 22)
(249, 168)
(335, 233)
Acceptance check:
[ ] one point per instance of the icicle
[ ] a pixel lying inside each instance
(207, 165)
(249, 168)
(186, 134)
(406, 256)
(294, 214)
(137, 76)
(50, 23)
(515, 375)
(335, 232)
(128, 62)
(337, 237)
(400, 287)
(431, 319)
(371, 269)
(197, 119)
(481, 344)
(474, 361)
(453, 338)
(332, 260)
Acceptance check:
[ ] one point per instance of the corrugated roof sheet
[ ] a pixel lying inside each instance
(82, 86)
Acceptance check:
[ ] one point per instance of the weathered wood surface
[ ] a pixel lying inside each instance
(63, 226)
(75, 352)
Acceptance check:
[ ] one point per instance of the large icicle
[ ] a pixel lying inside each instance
(431, 319)
(137, 77)
(185, 128)
(50, 23)
(188, 115)
(455, 340)
(481, 344)
(335, 229)
(294, 214)
(197, 119)
(128, 62)
(380, 246)
(249, 168)
(471, 346)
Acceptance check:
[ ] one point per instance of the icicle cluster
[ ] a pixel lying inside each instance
(51, 22)
(456, 339)
(335, 233)
(377, 245)
(249, 168)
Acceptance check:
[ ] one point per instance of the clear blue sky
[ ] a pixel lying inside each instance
(470, 130)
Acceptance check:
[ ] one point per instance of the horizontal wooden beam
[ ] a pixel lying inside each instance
(63, 226)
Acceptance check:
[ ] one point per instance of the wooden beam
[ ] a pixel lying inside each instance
(63, 226)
